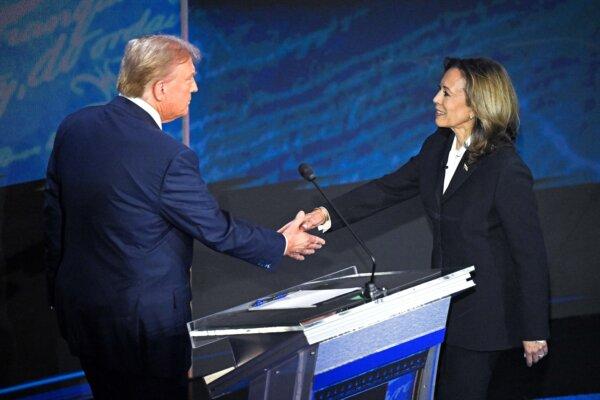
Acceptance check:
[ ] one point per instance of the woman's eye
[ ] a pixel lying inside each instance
(444, 92)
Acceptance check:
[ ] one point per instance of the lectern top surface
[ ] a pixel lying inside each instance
(247, 316)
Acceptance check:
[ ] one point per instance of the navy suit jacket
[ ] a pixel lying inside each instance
(487, 218)
(123, 203)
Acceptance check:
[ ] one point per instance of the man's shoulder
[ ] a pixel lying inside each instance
(119, 108)
(129, 123)
(77, 121)
(82, 114)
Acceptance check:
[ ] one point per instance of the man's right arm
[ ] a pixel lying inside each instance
(187, 203)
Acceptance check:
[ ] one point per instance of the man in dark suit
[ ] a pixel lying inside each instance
(123, 203)
(478, 196)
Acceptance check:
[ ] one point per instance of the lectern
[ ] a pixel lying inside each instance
(323, 340)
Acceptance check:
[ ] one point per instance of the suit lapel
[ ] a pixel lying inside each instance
(439, 185)
(463, 172)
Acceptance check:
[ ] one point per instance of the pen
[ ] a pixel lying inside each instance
(265, 300)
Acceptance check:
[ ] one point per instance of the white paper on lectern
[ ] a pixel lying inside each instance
(303, 299)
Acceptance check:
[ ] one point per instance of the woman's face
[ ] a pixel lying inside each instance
(451, 110)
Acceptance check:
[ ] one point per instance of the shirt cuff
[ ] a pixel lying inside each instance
(285, 248)
(325, 226)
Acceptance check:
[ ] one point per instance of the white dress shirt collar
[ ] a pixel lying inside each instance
(454, 157)
(146, 107)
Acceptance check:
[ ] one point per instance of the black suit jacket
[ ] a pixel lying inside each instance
(487, 218)
(123, 203)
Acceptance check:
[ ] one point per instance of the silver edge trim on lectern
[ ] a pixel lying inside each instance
(386, 307)
(364, 315)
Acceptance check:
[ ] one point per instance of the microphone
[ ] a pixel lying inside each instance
(370, 290)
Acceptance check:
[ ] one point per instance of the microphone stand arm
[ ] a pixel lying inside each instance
(370, 290)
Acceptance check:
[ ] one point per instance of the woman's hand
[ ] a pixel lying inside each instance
(313, 219)
(299, 243)
(534, 351)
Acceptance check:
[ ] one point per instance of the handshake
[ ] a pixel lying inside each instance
(299, 242)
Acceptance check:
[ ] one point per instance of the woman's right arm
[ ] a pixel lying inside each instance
(368, 199)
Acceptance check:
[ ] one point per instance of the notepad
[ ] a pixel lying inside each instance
(301, 299)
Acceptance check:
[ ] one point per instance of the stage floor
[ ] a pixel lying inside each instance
(571, 371)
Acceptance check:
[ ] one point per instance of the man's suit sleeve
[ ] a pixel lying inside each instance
(186, 202)
(516, 205)
(53, 225)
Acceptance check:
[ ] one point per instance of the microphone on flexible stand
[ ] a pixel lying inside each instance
(370, 290)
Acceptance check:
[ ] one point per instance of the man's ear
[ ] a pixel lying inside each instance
(158, 90)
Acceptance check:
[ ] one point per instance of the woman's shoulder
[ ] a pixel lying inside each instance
(505, 153)
(440, 135)
(507, 159)
(438, 138)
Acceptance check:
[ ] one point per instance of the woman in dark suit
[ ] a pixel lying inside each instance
(477, 193)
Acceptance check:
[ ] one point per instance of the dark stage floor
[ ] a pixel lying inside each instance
(571, 370)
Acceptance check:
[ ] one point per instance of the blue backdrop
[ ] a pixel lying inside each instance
(347, 86)
(58, 56)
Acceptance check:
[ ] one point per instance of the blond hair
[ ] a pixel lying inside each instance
(148, 59)
(492, 97)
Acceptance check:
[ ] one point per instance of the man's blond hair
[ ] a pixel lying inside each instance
(150, 58)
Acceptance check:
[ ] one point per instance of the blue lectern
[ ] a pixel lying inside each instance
(322, 340)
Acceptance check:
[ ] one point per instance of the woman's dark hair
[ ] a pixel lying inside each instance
(492, 97)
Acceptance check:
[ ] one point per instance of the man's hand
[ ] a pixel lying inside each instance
(534, 351)
(299, 243)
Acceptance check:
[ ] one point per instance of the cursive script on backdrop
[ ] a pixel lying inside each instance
(75, 36)
(60, 56)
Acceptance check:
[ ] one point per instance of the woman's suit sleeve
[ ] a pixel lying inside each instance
(516, 206)
(379, 194)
